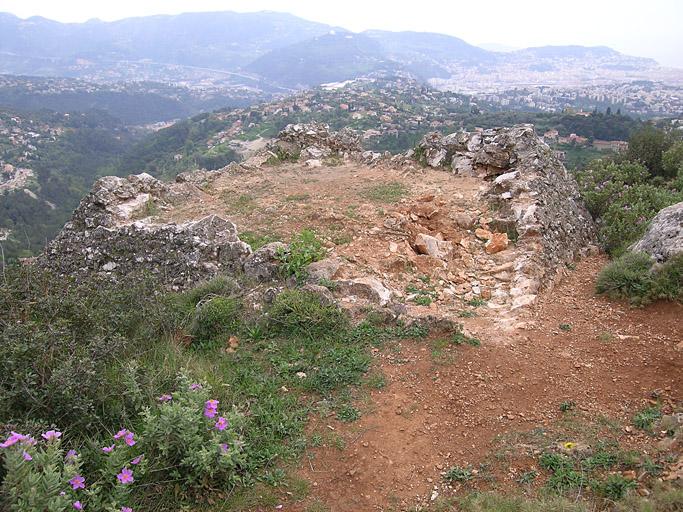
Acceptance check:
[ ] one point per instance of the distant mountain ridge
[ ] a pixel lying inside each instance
(262, 49)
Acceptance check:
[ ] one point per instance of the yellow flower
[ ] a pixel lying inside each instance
(569, 445)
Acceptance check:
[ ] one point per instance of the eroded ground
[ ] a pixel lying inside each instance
(571, 368)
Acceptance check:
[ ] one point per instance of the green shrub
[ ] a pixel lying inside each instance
(627, 217)
(634, 277)
(186, 440)
(458, 474)
(603, 181)
(614, 487)
(217, 317)
(301, 313)
(628, 277)
(64, 345)
(303, 250)
(645, 419)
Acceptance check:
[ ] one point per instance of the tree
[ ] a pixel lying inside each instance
(672, 160)
(647, 146)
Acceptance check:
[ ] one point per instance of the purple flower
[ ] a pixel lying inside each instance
(26, 455)
(195, 386)
(78, 505)
(29, 441)
(224, 448)
(129, 439)
(109, 449)
(125, 476)
(13, 438)
(77, 482)
(51, 435)
(210, 408)
(137, 460)
(126, 509)
(165, 398)
(70, 456)
(120, 433)
(222, 423)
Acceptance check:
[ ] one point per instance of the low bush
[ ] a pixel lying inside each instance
(303, 250)
(636, 278)
(628, 215)
(603, 181)
(301, 313)
(216, 318)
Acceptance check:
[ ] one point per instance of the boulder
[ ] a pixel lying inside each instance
(664, 237)
(432, 246)
(264, 264)
(368, 288)
(324, 269)
(498, 242)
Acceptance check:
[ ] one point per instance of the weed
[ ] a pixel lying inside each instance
(303, 250)
(328, 283)
(565, 327)
(614, 487)
(466, 313)
(218, 317)
(386, 192)
(459, 338)
(348, 413)
(301, 313)
(423, 300)
(646, 418)
(376, 380)
(476, 302)
(567, 405)
(527, 477)
(458, 474)
(256, 240)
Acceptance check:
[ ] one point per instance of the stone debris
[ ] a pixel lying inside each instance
(315, 141)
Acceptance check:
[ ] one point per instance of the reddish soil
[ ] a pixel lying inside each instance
(433, 415)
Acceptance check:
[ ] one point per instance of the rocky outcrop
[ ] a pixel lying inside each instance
(112, 233)
(664, 237)
(315, 141)
(535, 200)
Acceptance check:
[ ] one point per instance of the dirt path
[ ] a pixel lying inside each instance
(437, 413)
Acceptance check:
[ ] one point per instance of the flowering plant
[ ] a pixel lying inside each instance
(184, 438)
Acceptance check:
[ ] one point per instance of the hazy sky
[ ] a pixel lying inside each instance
(652, 28)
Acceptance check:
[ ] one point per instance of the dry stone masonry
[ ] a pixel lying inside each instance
(536, 201)
(104, 236)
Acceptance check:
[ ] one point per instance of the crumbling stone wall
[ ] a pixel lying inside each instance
(533, 198)
(104, 237)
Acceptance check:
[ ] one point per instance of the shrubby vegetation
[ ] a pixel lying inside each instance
(623, 194)
(94, 359)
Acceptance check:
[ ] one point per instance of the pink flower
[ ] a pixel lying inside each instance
(165, 398)
(29, 441)
(126, 509)
(51, 435)
(78, 505)
(77, 482)
(109, 449)
(210, 408)
(26, 456)
(13, 439)
(70, 456)
(137, 460)
(129, 439)
(125, 476)
(195, 386)
(120, 433)
(222, 423)
(224, 448)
